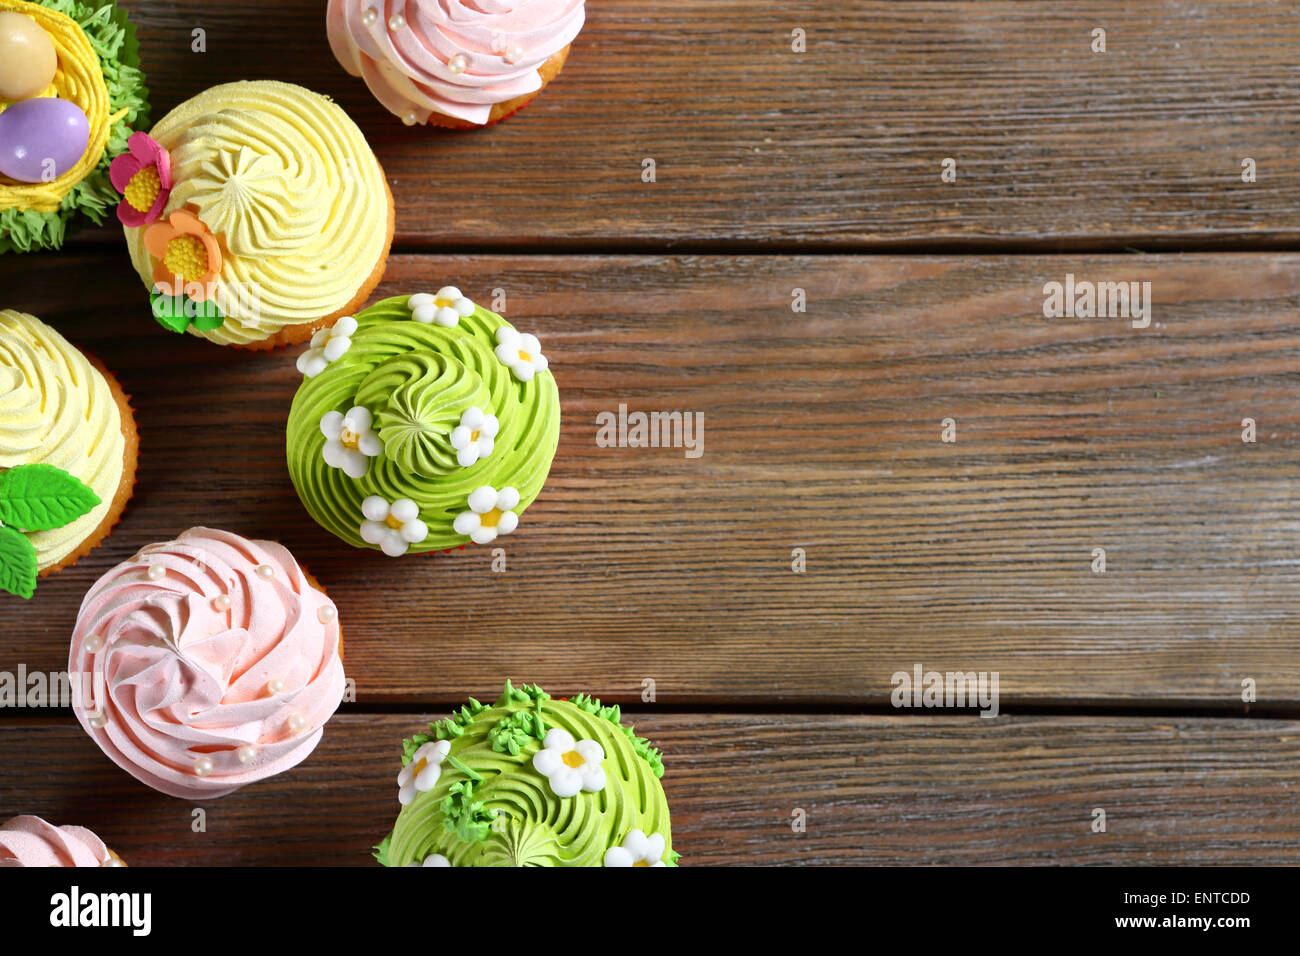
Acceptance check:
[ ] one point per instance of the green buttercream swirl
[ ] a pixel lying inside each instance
(417, 380)
(490, 807)
(417, 399)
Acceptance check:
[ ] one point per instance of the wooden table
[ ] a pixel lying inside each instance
(778, 171)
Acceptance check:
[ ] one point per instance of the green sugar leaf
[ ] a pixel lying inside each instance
(41, 497)
(17, 563)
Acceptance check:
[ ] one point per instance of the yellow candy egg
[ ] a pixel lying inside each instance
(27, 57)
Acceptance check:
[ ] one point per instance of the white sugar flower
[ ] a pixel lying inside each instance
(423, 771)
(570, 765)
(522, 354)
(349, 442)
(433, 859)
(491, 513)
(637, 850)
(445, 307)
(472, 438)
(393, 527)
(326, 346)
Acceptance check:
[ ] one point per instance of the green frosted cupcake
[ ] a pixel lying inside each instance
(422, 424)
(530, 781)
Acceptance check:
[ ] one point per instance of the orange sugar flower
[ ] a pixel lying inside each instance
(186, 252)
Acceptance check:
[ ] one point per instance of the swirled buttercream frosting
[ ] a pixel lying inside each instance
(207, 663)
(455, 57)
(58, 409)
(286, 183)
(530, 781)
(422, 424)
(30, 841)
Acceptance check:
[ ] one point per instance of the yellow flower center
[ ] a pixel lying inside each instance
(573, 759)
(640, 863)
(490, 520)
(393, 523)
(525, 356)
(349, 439)
(419, 767)
(187, 258)
(142, 191)
(473, 436)
(444, 303)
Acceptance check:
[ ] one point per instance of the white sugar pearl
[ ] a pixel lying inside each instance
(409, 117)
(112, 862)
(221, 602)
(274, 685)
(396, 22)
(326, 614)
(369, 17)
(98, 721)
(246, 753)
(156, 571)
(203, 766)
(265, 572)
(93, 644)
(514, 53)
(458, 63)
(297, 722)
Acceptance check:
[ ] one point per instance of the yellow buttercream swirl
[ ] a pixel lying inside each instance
(253, 184)
(79, 80)
(57, 409)
(287, 182)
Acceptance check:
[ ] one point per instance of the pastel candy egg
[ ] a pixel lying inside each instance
(27, 57)
(41, 139)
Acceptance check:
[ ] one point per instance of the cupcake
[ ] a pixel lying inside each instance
(255, 214)
(422, 424)
(68, 451)
(530, 781)
(30, 841)
(208, 663)
(454, 63)
(71, 94)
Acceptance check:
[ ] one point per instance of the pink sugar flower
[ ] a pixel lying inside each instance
(143, 175)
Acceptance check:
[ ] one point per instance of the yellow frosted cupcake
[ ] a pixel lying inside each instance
(68, 448)
(256, 214)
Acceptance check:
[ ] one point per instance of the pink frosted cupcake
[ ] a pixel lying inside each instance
(30, 841)
(209, 662)
(454, 63)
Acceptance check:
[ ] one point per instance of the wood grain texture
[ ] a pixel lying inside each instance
(876, 790)
(822, 431)
(839, 146)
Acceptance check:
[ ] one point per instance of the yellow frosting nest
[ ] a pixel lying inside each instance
(57, 409)
(287, 183)
(80, 80)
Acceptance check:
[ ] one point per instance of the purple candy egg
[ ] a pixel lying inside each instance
(41, 139)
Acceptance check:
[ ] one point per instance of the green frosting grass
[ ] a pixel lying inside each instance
(490, 807)
(113, 38)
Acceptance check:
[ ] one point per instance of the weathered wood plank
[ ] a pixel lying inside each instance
(840, 145)
(876, 790)
(822, 432)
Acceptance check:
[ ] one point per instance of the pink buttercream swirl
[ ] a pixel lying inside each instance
(404, 50)
(30, 841)
(212, 662)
